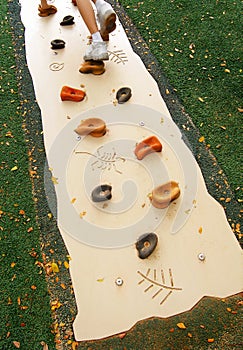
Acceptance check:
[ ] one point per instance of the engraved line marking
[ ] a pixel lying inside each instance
(163, 276)
(155, 274)
(155, 295)
(167, 296)
(171, 278)
(148, 288)
(148, 272)
(140, 282)
(158, 284)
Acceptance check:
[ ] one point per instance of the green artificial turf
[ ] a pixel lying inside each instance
(25, 315)
(198, 45)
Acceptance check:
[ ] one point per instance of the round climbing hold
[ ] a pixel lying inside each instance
(95, 127)
(67, 20)
(146, 244)
(163, 195)
(57, 44)
(101, 193)
(123, 94)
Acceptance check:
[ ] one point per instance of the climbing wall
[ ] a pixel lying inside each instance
(131, 259)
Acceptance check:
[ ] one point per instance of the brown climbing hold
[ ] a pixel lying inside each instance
(164, 194)
(47, 11)
(148, 145)
(95, 127)
(71, 94)
(94, 67)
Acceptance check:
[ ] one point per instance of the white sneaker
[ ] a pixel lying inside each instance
(107, 19)
(96, 51)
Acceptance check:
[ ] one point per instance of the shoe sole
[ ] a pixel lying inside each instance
(108, 25)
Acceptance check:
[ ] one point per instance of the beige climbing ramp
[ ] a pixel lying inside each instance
(196, 254)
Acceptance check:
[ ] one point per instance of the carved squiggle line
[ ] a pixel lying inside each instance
(158, 284)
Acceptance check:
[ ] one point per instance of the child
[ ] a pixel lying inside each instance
(107, 18)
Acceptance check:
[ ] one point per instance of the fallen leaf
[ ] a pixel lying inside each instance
(122, 335)
(55, 267)
(74, 345)
(200, 229)
(16, 344)
(45, 346)
(210, 340)
(54, 180)
(201, 139)
(181, 325)
(14, 168)
(200, 99)
(66, 264)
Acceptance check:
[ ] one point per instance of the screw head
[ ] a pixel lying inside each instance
(201, 256)
(78, 138)
(119, 281)
(141, 123)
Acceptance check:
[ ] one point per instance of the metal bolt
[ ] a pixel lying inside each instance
(141, 123)
(78, 137)
(201, 256)
(119, 281)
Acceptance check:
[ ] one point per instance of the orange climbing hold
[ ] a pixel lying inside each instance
(71, 94)
(149, 145)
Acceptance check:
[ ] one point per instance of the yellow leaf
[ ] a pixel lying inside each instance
(54, 180)
(66, 264)
(200, 229)
(100, 279)
(200, 99)
(201, 139)
(73, 200)
(14, 168)
(13, 264)
(55, 267)
(181, 325)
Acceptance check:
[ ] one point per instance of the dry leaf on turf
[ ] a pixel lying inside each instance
(181, 325)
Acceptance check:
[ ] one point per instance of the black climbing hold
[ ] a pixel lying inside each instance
(57, 44)
(101, 193)
(67, 20)
(146, 244)
(123, 94)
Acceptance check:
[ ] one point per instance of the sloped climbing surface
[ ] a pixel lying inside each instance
(195, 248)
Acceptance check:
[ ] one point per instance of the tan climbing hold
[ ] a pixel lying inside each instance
(164, 194)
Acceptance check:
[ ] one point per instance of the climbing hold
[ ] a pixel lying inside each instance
(47, 12)
(67, 20)
(123, 94)
(71, 94)
(149, 145)
(163, 195)
(57, 44)
(101, 193)
(94, 67)
(146, 244)
(95, 127)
